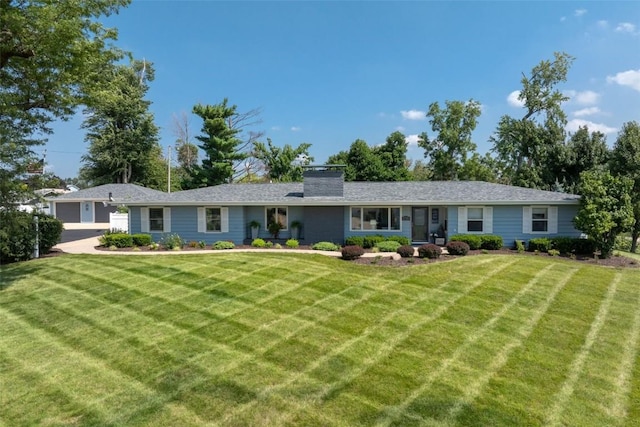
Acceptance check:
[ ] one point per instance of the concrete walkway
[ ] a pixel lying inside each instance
(88, 246)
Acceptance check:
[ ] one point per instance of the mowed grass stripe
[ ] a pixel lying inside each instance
(401, 410)
(554, 415)
(323, 391)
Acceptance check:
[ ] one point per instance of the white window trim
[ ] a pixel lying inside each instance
(266, 216)
(202, 219)
(362, 208)
(144, 219)
(487, 220)
(552, 220)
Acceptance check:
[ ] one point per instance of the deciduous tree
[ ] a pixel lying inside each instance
(453, 126)
(49, 53)
(528, 148)
(282, 164)
(605, 208)
(625, 162)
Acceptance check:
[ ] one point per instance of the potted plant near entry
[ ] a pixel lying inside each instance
(296, 226)
(274, 228)
(255, 227)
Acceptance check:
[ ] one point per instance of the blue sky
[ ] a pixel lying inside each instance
(328, 73)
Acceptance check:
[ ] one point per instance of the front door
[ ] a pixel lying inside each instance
(420, 224)
(86, 212)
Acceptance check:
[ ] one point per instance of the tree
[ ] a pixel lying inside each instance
(478, 168)
(605, 208)
(282, 164)
(625, 162)
(363, 164)
(393, 155)
(49, 53)
(528, 148)
(448, 150)
(584, 151)
(420, 171)
(187, 151)
(123, 138)
(220, 143)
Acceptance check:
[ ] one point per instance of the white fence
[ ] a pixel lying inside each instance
(119, 221)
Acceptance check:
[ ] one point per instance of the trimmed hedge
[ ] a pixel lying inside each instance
(222, 244)
(370, 241)
(354, 241)
(259, 243)
(18, 234)
(455, 247)
(50, 230)
(406, 251)
(388, 246)
(325, 246)
(352, 252)
(403, 240)
(540, 244)
(118, 240)
(473, 240)
(429, 250)
(491, 242)
(292, 243)
(141, 239)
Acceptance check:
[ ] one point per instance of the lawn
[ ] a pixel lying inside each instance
(287, 339)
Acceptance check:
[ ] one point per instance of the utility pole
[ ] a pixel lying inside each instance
(169, 169)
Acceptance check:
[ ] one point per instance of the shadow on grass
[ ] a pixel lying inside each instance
(11, 273)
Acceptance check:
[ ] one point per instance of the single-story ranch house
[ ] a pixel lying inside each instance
(93, 205)
(330, 209)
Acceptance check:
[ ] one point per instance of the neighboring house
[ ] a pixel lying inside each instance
(93, 205)
(332, 210)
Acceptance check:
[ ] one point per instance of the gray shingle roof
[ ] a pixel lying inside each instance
(398, 193)
(122, 193)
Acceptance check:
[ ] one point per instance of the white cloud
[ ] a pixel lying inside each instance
(602, 24)
(589, 111)
(587, 97)
(275, 127)
(513, 100)
(295, 128)
(579, 12)
(412, 139)
(413, 115)
(626, 27)
(629, 78)
(575, 124)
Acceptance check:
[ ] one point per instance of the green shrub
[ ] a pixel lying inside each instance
(388, 246)
(403, 240)
(371, 240)
(172, 242)
(277, 246)
(565, 245)
(325, 246)
(354, 241)
(429, 250)
(258, 243)
(292, 243)
(50, 230)
(584, 246)
(455, 247)
(118, 240)
(268, 244)
(622, 243)
(541, 244)
(520, 246)
(141, 239)
(406, 251)
(473, 240)
(222, 244)
(17, 236)
(202, 244)
(352, 252)
(193, 244)
(554, 252)
(491, 242)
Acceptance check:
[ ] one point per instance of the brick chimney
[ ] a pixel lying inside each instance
(323, 181)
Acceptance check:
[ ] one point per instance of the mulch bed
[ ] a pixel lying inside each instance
(382, 260)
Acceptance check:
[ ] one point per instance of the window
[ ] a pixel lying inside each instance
(277, 214)
(474, 219)
(372, 218)
(156, 219)
(213, 220)
(539, 219)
